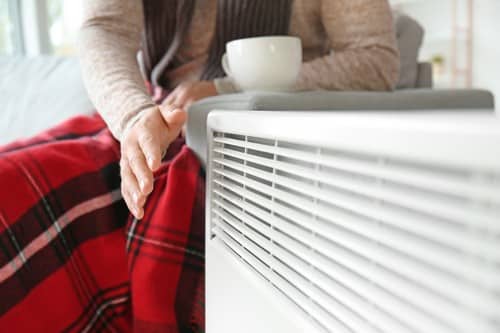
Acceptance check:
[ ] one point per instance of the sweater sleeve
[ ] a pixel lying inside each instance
(364, 53)
(108, 43)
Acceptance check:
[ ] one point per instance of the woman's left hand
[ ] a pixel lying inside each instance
(188, 93)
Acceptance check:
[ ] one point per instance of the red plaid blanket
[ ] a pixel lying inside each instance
(72, 259)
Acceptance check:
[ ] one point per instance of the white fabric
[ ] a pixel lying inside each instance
(37, 93)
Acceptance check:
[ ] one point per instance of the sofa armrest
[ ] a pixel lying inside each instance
(412, 99)
(407, 99)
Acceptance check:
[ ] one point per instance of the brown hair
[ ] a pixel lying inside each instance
(166, 22)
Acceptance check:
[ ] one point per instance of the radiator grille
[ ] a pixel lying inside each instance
(361, 243)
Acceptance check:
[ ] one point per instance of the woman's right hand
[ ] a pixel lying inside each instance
(142, 149)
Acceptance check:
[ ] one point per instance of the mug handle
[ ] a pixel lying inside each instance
(225, 65)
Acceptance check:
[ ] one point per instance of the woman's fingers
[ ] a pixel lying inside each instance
(142, 150)
(149, 137)
(141, 155)
(174, 119)
(181, 98)
(138, 165)
(150, 144)
(171, 97)
(130, 190)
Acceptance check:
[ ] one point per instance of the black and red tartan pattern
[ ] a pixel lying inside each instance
(72, 259)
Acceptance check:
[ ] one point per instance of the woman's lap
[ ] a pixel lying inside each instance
(63, 263)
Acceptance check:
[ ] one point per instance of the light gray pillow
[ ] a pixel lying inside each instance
(410, 35)
(37, 93)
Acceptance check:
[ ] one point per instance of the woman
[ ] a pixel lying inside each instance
(181, 51)
(62, 264)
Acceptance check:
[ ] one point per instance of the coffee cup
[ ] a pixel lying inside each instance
(270, 63)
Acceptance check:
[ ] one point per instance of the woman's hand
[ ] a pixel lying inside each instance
(188, 93)
(142, 149)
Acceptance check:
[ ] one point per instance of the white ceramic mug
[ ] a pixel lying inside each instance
(264, 63)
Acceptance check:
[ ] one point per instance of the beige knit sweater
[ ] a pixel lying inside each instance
(348, 45)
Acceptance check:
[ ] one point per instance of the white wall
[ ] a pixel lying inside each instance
(487, 46)
(436, 18)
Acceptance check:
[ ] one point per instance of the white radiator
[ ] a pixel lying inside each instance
(320, 222)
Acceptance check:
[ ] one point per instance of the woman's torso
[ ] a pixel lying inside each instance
(189, 61)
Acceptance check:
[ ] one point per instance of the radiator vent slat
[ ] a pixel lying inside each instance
(451, 287)
(399, 196)
(382, 300)
(400, 287)
(337, 289)
(487, 277)
(431, 228)
(279, 282)
(443, 181)
(358, 242)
